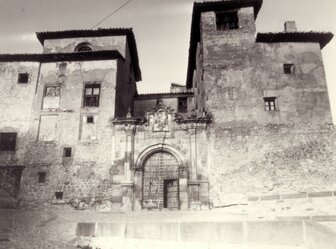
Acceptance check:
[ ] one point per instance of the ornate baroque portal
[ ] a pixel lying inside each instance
(160, 181)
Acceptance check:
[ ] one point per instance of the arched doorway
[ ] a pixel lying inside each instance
(160, 185)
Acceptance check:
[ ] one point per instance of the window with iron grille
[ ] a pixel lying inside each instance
(91, 95)
(7, 141)
(227, 20)
(270, 103)
(182, 104)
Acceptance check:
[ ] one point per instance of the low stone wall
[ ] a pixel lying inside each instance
(294, 204)
(62, 229)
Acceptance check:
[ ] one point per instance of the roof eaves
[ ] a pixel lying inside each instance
(323, 38)
(41, 36)
(162, 95)
(52, 57)
(128, 32)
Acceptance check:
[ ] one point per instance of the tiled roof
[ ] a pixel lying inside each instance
(128, 32)
(77, 56)
(318, 37)
(163, 95)
(195, 22)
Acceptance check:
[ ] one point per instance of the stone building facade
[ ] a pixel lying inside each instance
(253, 120)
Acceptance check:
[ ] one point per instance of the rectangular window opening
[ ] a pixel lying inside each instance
(7, 141)
(59, 195)
(270, 103)
(227, 20)
(183, 104)
(23, 78)
(91, 95)
(288, 68)
(41, 177)
(67, 152)
(52, 91)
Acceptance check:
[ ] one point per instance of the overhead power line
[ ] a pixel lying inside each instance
(115, 11)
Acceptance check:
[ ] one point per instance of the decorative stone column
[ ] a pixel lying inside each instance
(127, 183)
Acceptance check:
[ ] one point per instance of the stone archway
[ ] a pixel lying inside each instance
(160, 185)
(161, 175)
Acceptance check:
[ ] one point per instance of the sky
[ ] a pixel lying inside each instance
(161, 28)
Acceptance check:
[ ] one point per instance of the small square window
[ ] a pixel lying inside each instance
(67, 152)
(288, 68)
(23, 78)
(41, 177)
(227, 20)
(7, 141)
(90, 120)
(59, 195)
(270, 103)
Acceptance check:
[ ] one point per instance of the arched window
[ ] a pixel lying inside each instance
(83, 47)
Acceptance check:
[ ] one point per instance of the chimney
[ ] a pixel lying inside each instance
(290, 26)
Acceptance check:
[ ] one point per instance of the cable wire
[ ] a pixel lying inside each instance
(115, 11)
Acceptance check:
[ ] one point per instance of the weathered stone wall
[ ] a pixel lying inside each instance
(239, 73)
(142, 106)
(16, 102)
(86, 173)
(68, 45)
(270, 159)
(125, 87)
(251, 150)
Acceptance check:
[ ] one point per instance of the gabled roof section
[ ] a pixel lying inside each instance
(318, 37)
(128, 32)
(53, 57)
(199, 8)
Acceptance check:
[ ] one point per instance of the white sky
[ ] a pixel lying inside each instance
(161, 27)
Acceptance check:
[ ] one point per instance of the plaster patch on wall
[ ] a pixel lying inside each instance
(47, 128)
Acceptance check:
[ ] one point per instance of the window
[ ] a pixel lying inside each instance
(7, 141)
(288, 68)
(90, 120)
(270, 103)
(23, 78)
(227, 20)
(41, 177)
(52, 91)
(67, 152)
(91, 95)
(62, 69)
(59, 195)
(51, 97)
(83, 47)
(182, 104)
